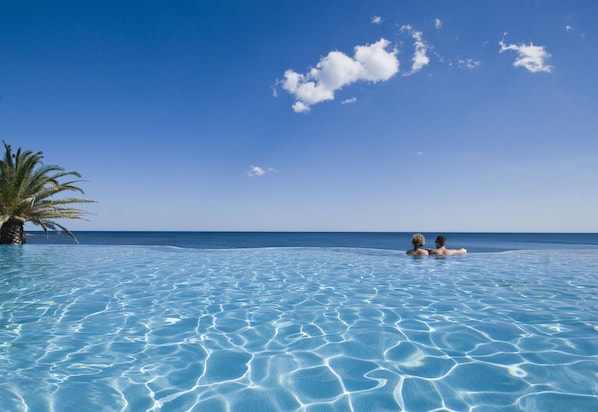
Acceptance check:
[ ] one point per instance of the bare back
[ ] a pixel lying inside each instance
(418, 252)
(443, 251)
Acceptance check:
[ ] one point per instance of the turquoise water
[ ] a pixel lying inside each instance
(160, 328)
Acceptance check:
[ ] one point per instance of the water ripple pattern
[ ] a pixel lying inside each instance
(103, 328)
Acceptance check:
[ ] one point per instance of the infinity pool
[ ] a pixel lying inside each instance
(141, 328)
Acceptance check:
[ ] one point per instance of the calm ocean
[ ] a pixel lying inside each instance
(474, 242)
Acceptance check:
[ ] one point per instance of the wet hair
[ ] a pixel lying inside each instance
(441, 240)
(418, 240)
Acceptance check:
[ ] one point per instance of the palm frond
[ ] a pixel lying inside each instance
(28, 191)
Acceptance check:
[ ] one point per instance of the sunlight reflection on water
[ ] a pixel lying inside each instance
(162, 328)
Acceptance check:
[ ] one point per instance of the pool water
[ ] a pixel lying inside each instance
(148, 328)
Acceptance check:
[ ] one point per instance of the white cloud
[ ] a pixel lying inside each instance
(349, 101)
(376, 20)
(438, 23)
(259, 171)
(372, 62)
(256, 171)
(533, 58)
(300, 107)
(568, 28)
(420, 57)
(469, 64)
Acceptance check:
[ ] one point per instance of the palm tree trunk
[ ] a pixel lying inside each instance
(12, 233)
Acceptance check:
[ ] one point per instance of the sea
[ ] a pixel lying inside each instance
(287, 321)
(474, 242)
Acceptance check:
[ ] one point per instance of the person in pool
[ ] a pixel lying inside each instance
(441, 249)
(418, 242)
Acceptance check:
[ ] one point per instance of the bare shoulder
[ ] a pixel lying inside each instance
(442, 251)
(418, 252)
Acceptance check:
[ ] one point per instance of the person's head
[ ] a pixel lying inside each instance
(440, 241)
(418, 240)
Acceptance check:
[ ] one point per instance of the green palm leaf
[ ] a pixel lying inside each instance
(28, 191)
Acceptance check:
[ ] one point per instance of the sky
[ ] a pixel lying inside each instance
(311, 115)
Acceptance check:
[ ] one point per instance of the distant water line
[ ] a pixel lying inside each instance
(474, 242)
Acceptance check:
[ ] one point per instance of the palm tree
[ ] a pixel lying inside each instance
(27, 188)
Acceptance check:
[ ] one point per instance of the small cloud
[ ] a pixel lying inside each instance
(256, 171)
(259, 171)
(349, 101)
(468, 64)
(376, 20)
(530, 57)
(373, 63)
(300, 107)
(420, 57)
(419, 153)
(568, 28)
(437, 23)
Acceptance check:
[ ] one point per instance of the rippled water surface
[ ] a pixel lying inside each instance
(138, 328)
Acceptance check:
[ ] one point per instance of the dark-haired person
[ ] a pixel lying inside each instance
(418, 242)
(441, 249)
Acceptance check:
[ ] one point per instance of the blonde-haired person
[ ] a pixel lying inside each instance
(418, 240)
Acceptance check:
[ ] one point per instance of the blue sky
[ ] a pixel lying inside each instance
(311, 115)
